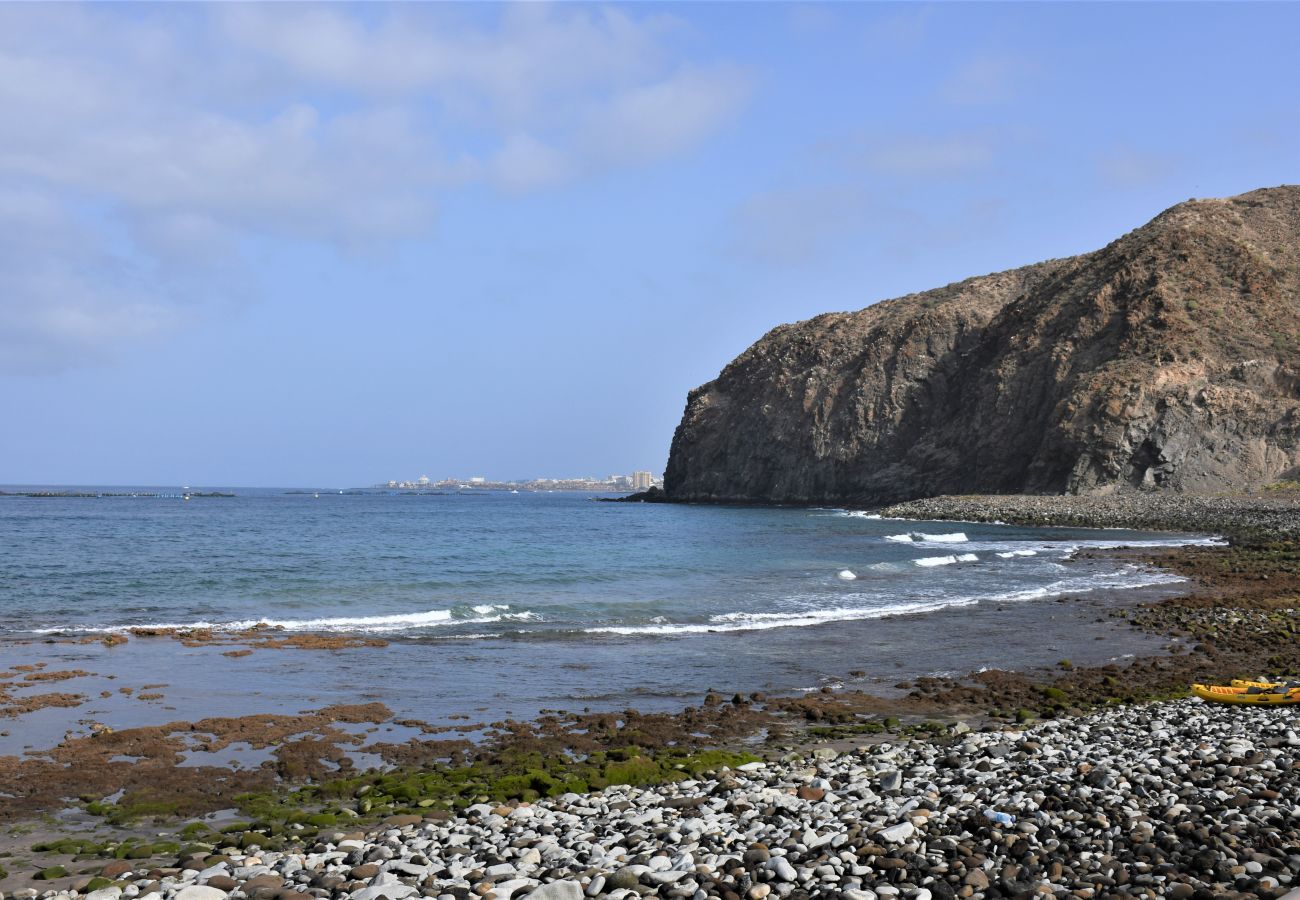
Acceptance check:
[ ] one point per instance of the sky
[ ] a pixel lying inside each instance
(299, 245)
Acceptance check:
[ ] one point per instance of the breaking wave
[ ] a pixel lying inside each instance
(1128, 578)
(929, 561)
(398, 622)
(920, 537)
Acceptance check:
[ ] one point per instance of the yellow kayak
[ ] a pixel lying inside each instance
(1259, 696)
(1267, 685)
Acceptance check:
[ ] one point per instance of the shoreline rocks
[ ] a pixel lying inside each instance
(1177, 799)
(1240, 517)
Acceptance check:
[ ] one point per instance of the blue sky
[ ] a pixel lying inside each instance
(332, 245)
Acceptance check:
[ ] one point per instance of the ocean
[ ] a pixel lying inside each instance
(511, 603)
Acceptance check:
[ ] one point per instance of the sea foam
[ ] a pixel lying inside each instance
(397, 622)
(1129, 577)
(920, 537)
(930, 561)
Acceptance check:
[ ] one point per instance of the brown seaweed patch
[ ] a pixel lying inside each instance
(56, 676)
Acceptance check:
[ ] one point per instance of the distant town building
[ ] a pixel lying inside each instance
(637, 481)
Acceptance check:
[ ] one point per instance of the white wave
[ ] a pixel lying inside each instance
(857, 514)
(847, 575)
(883, 567)
(1014, 553)
(1069, 546)
(931, 561)
(397, 622)
(763, 621)
(1130, 577)
(920, 537)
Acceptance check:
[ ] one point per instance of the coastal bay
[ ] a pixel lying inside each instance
(247, 753)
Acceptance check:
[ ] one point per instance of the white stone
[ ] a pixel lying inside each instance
(506, 889)
(896, 834)
(108, 893)
(781, 866)
(397, 891)
(558, 890)
(203, 892)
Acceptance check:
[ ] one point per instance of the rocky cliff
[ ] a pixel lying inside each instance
(1168, 360)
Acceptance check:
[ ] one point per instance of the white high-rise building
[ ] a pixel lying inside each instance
(642, 481)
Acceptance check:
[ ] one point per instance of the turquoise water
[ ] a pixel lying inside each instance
(498, 604)
(471, 565)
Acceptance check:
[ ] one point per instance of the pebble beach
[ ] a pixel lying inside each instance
(1174, 799)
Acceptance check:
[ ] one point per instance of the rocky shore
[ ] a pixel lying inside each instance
(1175, 799)
(1243, 517)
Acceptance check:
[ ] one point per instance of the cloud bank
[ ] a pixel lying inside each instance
(142, 149)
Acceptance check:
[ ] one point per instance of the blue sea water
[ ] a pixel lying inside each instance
(475, 564)
(499, 604)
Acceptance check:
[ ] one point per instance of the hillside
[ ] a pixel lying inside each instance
(1168, 360)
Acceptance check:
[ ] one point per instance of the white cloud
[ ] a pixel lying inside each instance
(796, 225)
(918, 156)
(930, 155)
(525, 163)
(899, 29)
(189, 129)
(664, 118)
(987, 80)
(1127, 167)
(66, 296)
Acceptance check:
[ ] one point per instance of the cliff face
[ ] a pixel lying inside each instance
(1168, 360)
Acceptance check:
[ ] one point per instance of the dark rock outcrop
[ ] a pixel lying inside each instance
(1168, 360)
